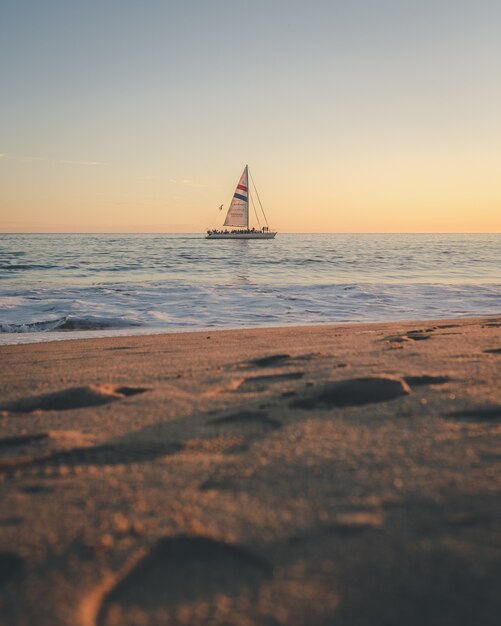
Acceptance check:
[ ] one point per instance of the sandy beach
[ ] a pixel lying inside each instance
(317, 475)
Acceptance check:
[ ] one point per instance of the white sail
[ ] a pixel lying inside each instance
(238, 213)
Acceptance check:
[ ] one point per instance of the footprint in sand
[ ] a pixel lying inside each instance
(487, 413)
(121, 348)
(11, 567)
(274, 360)
(181, 570)
(245, 419)
(425, 379)
(100, 455)
(398, 339)
(279, 360)
(24, 450)
(243, 428)
(354, 392)
(410, 336)
(261, 383)
(419, 335)
(21, 448)
(234, 433)
(74, 398)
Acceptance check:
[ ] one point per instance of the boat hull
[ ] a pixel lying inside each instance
(268, 235)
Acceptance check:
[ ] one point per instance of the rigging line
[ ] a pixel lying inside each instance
(259, 199)
(255, 212)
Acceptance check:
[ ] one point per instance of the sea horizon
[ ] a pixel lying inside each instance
(280, 232)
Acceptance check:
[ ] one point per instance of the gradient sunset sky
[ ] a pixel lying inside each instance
(353, 115)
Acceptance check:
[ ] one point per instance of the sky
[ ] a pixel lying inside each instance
(353, 115)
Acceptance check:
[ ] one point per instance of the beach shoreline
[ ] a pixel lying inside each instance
(334, 474)
(29, 338)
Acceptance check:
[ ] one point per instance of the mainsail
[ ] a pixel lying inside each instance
(238, 213)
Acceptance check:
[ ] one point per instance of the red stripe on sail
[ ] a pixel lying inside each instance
(242, 187)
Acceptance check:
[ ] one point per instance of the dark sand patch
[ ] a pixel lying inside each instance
(212, 484)
(73, 398)
(469, 519)
(35, 489)
(184, 569)
(273, 360)
(246, 418)
(418, 335)
(398, 339)
(425, 379)
(22, 440)
(105, 454)
(407, 586)
(410, 336)
(354, 392)
(225, 443)
(479, 414)
(13, 520)
(281, 359)
(11, 566)
(19, 451)
(240, 430)
(261, 383)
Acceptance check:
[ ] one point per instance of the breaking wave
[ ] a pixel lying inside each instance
(66, 323)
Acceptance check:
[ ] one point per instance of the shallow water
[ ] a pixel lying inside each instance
(64, 286)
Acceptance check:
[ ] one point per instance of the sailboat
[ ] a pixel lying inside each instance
(237, 218)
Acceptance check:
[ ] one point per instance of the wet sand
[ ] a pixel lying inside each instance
(334, 475)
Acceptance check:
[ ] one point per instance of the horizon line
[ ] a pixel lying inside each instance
(197, 232)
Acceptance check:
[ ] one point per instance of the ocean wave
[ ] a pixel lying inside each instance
(68, 323)
(25, 266)
(135, 284)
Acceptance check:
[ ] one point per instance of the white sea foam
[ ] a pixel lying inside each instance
(10, 302)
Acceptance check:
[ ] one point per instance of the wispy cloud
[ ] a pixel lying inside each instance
(128, 202)
(187, 183)
(26, 226)
(30, 159)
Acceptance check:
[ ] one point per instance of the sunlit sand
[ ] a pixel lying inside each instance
(313, 475)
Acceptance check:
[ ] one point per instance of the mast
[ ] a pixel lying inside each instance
(248, 195)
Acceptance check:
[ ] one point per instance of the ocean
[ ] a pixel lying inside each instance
(69, 286)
